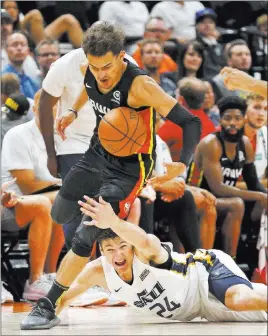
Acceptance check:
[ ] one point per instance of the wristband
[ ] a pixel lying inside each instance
(74, 111)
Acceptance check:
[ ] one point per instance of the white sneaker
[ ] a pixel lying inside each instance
(6, 296)
(50, 277)
(37, 289)
(93, 296)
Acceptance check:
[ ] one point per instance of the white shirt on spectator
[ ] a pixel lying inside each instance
(162, 156)
(179, 17)
(261, 151)
(24, 148)
(131, 16)
(65, 80)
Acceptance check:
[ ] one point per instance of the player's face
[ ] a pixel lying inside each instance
(118, 253)
(106, 69)
(256, 114)
(232, 124)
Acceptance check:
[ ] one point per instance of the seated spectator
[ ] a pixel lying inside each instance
(156, 28)
(18, 213)
(260, 44)
(191, 61)
(29, 65)
(33, 23)
(10, 84)
(14, 112)
(209, 106)
(191, 94)
(17, 50)
(24, 157)
(152, 55)
(220, 160)
(131, 15)
(256, 131)
(47, 52)
(238, 57)
(214, 60)
(179, 16)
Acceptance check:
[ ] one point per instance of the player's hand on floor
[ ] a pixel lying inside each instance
(101, 212)
(174, 169)
(62, 122)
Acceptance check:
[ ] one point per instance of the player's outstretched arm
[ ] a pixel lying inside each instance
(91, 275)
(146, 92)
(235, 79)
(104, 217)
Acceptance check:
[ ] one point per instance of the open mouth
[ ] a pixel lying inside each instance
(120, 263)
(232, 131)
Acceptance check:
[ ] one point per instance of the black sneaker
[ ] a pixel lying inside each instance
(42, 316)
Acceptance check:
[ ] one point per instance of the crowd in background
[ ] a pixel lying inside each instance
(183, 48)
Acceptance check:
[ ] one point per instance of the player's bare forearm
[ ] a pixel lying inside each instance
(80, 100)
(46, 104)
(260, 87)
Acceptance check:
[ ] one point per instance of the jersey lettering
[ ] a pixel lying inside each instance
(98, 107)
(170, 306)
(233, 173)
(145, 297)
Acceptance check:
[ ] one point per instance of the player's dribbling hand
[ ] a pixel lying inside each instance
(174, 169)
(101, 212)
(62, 122)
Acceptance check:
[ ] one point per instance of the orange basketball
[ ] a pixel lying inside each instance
(122, 131)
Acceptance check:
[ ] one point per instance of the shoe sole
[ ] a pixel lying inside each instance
(51, 324)
(118, 304)
(95, 303)
(35, 297)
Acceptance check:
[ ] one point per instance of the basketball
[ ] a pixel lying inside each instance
(122, 131)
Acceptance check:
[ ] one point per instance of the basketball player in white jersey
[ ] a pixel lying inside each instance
(148, 275)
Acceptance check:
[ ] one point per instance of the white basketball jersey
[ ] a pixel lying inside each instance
(171, 294)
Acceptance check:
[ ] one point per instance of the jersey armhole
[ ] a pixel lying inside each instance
(167, 265)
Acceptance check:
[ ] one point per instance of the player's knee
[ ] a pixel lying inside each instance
(80, 247)
(69, 20)
(237, 207)
(42, 205)
(35, 16)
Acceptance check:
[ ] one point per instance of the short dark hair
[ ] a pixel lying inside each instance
(232, 102)
(233, 44)
(47, 42)
(193, 95)
(10, 83)
(103, 37)
(106, 234)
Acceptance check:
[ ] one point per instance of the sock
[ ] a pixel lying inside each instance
(56, 292)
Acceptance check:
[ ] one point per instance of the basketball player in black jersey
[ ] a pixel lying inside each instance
(222, 158)
(110, 81)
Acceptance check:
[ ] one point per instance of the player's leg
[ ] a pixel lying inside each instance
(235, 298)
(234, 209)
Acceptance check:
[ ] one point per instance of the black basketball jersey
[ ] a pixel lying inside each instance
(118, 96)
(231, 170)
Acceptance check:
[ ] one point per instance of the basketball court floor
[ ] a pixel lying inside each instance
(120, 321)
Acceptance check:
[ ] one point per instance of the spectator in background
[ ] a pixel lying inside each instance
(152, 55)
(156, 28)
(180, 17)
(47, 52)
(33, 211)
(191, 61)
(14, 112)
(209, 106)
(33, 23)
(191, 94)
(17, 51)
(262, 25)
(6, 30)
(10, 84)
(256, 131)
(238, 57)
(131, 15)
(214, 60)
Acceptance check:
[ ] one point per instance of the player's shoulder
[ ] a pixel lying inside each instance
(209, 144)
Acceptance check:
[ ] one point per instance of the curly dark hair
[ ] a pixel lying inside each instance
(103, 37)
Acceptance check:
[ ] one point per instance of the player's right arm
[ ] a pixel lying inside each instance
(104, 217)
(91, 275)
(211, 152)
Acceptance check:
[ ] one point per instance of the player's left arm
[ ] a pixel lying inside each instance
(91, 275)
(249, 171)
(104, 217)
(146, 92)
